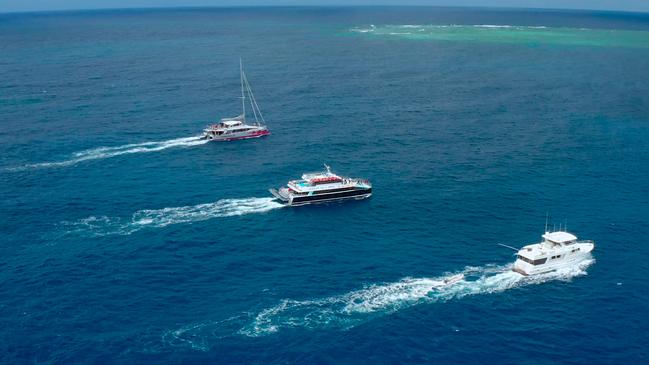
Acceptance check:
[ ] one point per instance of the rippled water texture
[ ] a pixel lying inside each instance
(529, 35)
(125, 238)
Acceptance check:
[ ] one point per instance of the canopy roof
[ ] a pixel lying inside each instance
(231, 123)
(559, 237)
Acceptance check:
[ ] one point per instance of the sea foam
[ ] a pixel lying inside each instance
(158, 218)
(108, 152)
(356, 307)
(512, 34)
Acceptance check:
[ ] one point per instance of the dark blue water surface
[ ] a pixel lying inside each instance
(126, 240)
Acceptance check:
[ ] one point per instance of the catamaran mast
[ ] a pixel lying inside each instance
(253, 102)
(243, 96)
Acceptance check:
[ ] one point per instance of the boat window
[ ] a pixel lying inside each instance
(533, 262)
(332, 190)
(525, 259)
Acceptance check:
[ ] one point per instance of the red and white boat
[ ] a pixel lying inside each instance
(231, 129)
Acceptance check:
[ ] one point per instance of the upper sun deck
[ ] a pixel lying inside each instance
(560, 237)
(321, 176)
(230, 125)
(305, 185)
(553, 241)
(324, 180)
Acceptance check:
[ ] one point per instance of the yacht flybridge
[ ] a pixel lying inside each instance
(322, 186)
(557, 250)
(230, 129)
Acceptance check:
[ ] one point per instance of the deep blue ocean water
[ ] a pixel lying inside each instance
(127, 240)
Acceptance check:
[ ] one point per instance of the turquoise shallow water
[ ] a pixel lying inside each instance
(125, 239)
(513, 34)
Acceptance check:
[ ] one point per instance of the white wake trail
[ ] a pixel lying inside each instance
(158, 218)
(350, 309)
(360, 306)
(108, 152)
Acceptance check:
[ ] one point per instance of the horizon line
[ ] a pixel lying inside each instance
(270, 6)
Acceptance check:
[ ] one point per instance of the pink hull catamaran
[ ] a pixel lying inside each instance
(232, 129)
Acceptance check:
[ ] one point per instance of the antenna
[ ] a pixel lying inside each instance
(510, 247)
(546, 222)
(327, 167)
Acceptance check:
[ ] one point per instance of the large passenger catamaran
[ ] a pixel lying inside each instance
(231, 129)
(325, 186)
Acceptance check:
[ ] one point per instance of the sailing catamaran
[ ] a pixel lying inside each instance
(230, 129)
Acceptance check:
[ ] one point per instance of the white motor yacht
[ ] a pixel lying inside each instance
(557, 250)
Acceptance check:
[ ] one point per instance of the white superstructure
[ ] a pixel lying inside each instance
(557, 250)
(322, 186)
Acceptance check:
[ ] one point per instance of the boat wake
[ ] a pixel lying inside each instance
(158, 218)
(108, 152)
(348, 310)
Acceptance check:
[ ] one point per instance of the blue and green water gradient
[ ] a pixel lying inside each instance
(127, 239)
(513, 34)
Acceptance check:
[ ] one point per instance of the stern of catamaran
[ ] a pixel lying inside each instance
(281, 194)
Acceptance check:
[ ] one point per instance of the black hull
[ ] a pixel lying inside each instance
(321, 198)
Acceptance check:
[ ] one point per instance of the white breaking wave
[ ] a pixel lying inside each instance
(492, 26)
(108, 152)
(350, 309)
(158, 218)
(364, 30)
(391, 29)
(510, 26)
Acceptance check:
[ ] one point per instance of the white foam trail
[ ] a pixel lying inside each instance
(158, 218)
(348, 310)
(108, 152)
(359, 306)
(198, 336)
